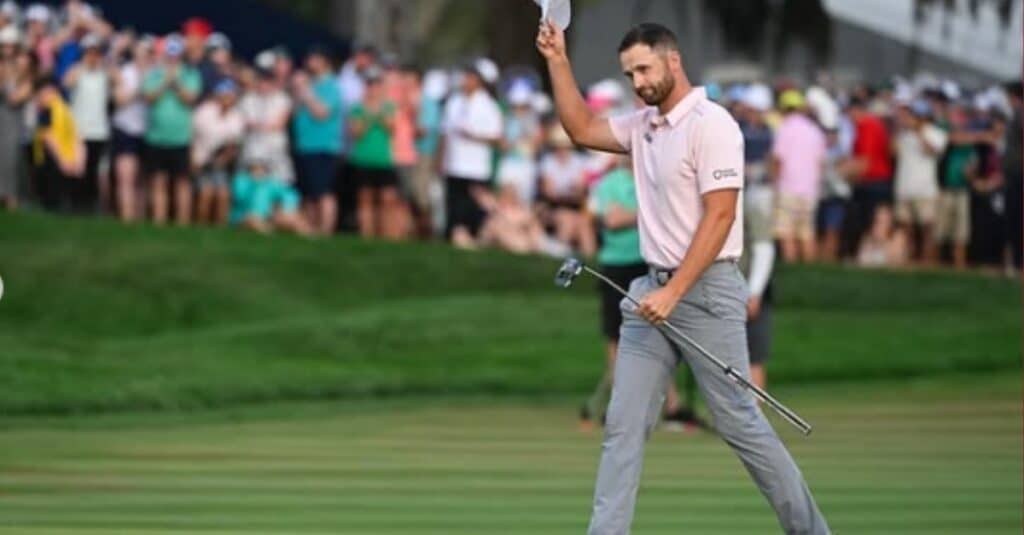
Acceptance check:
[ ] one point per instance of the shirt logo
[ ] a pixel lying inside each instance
(719, 174)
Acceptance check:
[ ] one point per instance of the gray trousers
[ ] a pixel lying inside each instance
(713, 314)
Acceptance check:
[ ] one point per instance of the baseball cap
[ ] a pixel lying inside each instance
(520, 94)
(435, 84)
(604, 94)
(217, 41)
(486, 69)
(791, 99)
(197, 26)
(225, 86)
(91, 40)
(9, 9)
(921, 108)
(373, 74)
(758, 97)
(173, 45)
(37, 13)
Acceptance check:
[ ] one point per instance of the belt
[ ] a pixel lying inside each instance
(662, 276)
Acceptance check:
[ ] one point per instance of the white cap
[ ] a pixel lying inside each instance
(37, 13)
(558, 11)
(607, 90)
(903, 93)
(542, 103)
(520, 94)
(10, 9)
(487, 69)
(218, 40)
(91, 40)
(951, 90)
(435, 84)
(999, 100)
(265, 60)
(9, 35)
(758, 97)
(825, 108)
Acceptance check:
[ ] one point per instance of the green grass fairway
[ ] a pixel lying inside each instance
(97, 317)
(935, 456)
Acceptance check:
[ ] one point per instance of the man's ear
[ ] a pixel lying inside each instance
(675, 59)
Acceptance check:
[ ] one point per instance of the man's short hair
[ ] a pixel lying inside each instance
(650, 34)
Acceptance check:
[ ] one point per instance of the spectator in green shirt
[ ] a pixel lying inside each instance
(371, 126)
(613, 202)
(170, 90)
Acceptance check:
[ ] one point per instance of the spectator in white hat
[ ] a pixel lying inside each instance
(10, 14)
(37, 36)
(520, 143)
(15, 92)
(919, 145)
(129, 128)
(472, 127)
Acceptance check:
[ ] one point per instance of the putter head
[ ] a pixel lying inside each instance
(570, 269)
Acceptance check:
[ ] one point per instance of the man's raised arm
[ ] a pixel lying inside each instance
(583, 127)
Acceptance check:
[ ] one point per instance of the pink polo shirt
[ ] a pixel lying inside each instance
(800, 147)
(695, 149)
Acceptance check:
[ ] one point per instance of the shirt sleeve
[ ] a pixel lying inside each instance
(937, 138)
(718, 154)
(623, 126)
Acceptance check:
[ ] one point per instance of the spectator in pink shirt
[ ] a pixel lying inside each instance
(798, 158)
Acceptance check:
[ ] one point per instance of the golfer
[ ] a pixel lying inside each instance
(688, 162)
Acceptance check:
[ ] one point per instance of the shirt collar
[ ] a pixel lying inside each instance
(680, 110)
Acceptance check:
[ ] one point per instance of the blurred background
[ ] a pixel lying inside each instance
(286, 266)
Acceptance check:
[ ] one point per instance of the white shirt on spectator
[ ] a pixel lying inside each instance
(131, 117)
(479, 115)
(213, 129)
(916, 170)
(259, 110)
(89, 99)
(351, 85)
(563, 176)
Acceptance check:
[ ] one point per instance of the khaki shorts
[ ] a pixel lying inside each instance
(916, 211)
(420, 180)
(794, 217)
(953, 217)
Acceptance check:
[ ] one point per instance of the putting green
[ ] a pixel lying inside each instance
(929, 456)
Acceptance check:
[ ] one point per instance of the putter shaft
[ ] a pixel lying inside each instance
(729, 371)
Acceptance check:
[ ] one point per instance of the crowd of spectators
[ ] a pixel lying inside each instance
(178, 128)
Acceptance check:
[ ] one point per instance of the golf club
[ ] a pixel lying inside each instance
(573, 267)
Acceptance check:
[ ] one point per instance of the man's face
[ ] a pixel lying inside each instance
(195, 45)
(470, 82)
(93, 57)
(363, 60)
(226, 100)
(650, 72)
(316, 63)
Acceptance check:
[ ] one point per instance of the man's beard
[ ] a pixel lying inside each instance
(655, 94)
